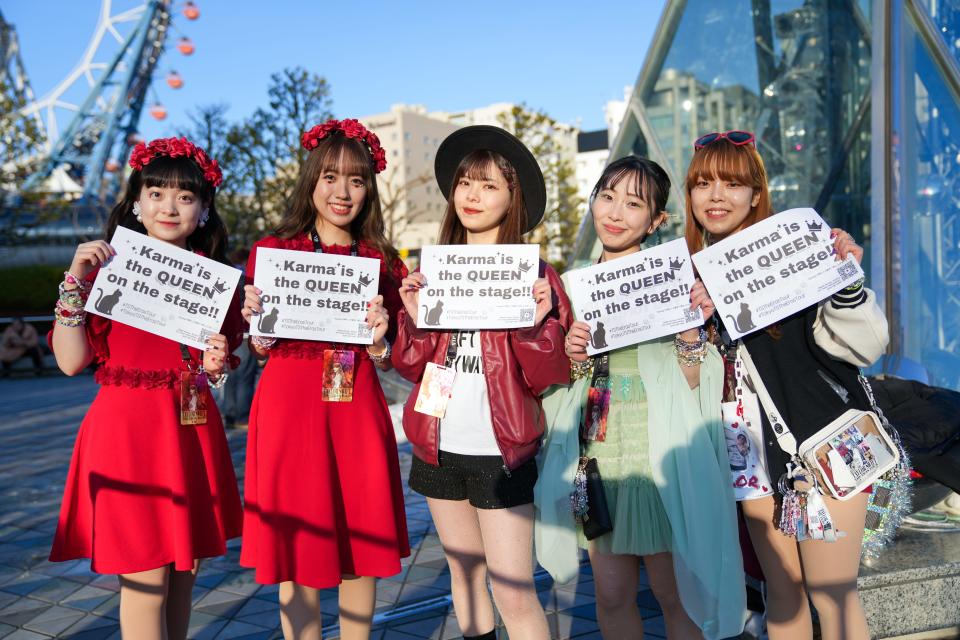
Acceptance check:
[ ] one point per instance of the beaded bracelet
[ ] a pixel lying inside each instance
(69, 317)
(73, 298)
(580, 369)
(83, 285)
(263, 343)
(383, 357)
(219, 382)
(690, 354)
(853, 288)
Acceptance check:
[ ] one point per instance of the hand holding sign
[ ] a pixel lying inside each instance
(543, 296)
(89, 256)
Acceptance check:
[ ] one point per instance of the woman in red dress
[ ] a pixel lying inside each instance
(147, 496)
(323, 500)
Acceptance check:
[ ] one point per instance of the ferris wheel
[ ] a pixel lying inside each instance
(86, 140)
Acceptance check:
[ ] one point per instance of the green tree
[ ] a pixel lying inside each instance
(239, 208)
(261, 155)
(546, 139)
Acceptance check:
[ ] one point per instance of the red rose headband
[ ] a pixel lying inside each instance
(351, 129)
(143, 154)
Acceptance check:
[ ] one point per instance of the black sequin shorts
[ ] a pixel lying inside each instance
(480, 479)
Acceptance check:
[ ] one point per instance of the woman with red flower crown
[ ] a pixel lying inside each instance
(324, 505)
(147, 496)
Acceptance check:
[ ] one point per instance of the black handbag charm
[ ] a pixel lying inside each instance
(588, 500)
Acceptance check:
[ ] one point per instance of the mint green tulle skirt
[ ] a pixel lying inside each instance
(640, 523)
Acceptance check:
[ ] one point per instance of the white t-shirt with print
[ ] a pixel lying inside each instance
(467, 426)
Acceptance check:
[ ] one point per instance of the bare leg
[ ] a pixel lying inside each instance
(300, 612)
(508, 545)
(831, 569)
(788, 614)
(615, 580)
(358, 598)
(663, 583)
(180, 601)
(459, 532)
(143, 599)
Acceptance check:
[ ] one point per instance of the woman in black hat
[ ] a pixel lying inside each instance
(476, 465)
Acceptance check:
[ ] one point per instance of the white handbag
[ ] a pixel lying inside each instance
(845, 457)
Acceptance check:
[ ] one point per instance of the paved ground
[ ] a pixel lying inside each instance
(39, 599)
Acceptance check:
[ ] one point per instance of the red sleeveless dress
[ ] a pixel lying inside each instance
(322, 490)
(143, 491)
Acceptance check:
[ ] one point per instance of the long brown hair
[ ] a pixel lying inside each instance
(476, 166)
(725, 161)
(178, 173)
(347, 156)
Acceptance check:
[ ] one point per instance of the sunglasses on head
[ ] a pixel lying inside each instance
(736, 138)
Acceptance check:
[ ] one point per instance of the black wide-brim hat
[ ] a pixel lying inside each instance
(465, 141)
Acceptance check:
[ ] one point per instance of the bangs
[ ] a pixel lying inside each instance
(638, 185)
(477, 166)
(724, 161)
(174, 173)
(346, 156)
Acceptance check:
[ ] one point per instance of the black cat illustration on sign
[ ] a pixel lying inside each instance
(268, 323)
(598, 339)
(744, 320)
(432, 316)
(106, 303)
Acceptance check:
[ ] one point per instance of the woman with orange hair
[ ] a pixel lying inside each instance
(809, 363)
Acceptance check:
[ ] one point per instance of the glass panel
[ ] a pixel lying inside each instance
(796, 73)
(946, 16)
(926, 258)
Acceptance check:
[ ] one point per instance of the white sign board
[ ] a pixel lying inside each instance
(486, 286)
(773, 269)
(162, 289)
(638, 297)
(314, 296)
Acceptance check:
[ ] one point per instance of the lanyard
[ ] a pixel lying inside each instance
(185, 354)
(601, 369)
(452, 349)
(318, 248)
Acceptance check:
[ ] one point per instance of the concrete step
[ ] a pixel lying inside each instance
(914, 587)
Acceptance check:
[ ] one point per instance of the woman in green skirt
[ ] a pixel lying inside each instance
(648, 414)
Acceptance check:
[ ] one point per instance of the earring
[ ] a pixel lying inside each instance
(204, 216)
(137, 212)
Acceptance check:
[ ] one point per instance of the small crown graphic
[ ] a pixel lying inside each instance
(524, 266)
(814, 226)
(676, 264)
(220, 286)
(364, 279)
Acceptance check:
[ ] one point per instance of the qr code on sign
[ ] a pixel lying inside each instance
(526, 315)
(846, 270)
(690, 315)
(364, 330)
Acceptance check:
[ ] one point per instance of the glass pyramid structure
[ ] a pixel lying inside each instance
(856, 109)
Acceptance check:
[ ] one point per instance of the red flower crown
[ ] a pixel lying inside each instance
(143, 153)
(351, 129)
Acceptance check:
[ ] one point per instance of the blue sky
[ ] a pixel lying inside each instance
(566, 57)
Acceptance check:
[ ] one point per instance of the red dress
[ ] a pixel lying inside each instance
(322, 490)
(143, 491)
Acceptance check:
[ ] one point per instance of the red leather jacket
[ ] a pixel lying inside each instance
(519, 365)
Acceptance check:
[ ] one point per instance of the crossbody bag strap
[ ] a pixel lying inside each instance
(784, 436)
